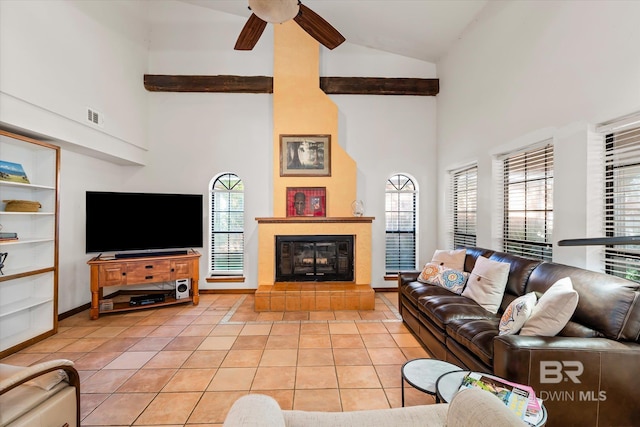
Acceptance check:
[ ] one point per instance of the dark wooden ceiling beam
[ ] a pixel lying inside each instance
(230, 84)
(379, 86)
(264, 84)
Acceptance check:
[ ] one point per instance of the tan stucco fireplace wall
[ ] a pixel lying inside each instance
(300, 107)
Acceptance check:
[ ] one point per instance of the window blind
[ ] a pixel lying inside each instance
(464, 196)
(528, 202)
(227, 225)
(401, 227)
(622, 196)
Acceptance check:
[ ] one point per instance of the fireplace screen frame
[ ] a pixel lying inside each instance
(297, 258)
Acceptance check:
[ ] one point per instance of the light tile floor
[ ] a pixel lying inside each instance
(186, 365)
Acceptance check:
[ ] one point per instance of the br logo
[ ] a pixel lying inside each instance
(553, 371)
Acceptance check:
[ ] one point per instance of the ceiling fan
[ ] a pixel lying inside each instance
(279, 11)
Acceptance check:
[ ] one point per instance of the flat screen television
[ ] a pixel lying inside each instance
(123, 222)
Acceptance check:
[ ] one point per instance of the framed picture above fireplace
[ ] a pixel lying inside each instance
(306, 201)
(305, 155)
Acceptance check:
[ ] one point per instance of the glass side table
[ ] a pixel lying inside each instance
(449, 384)
(422, 374)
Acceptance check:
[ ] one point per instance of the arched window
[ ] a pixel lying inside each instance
(401, 201)
(227, 225)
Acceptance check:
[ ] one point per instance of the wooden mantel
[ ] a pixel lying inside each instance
(314, 219)
(264, 84)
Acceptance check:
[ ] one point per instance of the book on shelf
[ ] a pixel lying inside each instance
(520, 398)
(8, 236)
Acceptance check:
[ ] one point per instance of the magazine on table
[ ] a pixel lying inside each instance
(521, 399)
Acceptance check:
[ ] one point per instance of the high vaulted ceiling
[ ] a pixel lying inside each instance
(420, 29)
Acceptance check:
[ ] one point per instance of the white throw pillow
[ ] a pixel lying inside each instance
(517, 314)
(448, 278)
(553, 310)
(487, 282)
(451, 259)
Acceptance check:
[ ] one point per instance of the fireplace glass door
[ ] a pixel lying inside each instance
(314, 258)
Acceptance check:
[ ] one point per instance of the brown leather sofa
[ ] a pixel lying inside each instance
(588, 374)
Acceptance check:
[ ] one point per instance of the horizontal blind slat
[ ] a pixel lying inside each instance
(622, 195)
(527, 188)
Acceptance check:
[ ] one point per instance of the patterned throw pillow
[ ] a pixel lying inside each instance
(517, 313)
(448, 278)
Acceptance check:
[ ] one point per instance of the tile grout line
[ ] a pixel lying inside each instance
(390, 305)
(226, 319)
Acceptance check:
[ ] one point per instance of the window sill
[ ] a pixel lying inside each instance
(226, 279)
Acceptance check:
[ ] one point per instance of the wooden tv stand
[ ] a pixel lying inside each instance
(112, 271)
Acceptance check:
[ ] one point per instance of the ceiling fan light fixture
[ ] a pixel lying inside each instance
(274, 11)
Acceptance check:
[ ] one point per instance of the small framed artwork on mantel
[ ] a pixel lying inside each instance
(306, 201)
(305, 155)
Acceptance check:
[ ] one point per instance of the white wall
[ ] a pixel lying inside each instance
(94, 54)
(59, 57)
(527, 69)
(79, 173)
(233, 133)
(523, 70)
(403, 140)
(56, 59)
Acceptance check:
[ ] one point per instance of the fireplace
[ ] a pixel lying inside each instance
(314, 258)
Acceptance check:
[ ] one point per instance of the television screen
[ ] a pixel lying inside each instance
(142, 221)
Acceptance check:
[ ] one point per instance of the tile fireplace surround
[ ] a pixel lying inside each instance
(316, 295)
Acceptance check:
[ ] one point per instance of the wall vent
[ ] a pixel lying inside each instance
(95, 117)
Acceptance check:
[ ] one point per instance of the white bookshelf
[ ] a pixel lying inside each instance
(29, 283)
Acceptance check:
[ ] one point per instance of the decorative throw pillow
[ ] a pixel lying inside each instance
(553, 310)
(451, 259)
(444, 277)
(517, 313)
(487, 282)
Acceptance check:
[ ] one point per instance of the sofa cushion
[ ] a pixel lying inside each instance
(442, 309)
(451, 259)
(517, 313)
(520, 268)
(487, 282)
(553, 310)
(476, 335)
(472, 255)
(445, 277)
(416, 290)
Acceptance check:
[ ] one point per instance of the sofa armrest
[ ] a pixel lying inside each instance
(597, 375)
(30, 373)
(45, 378)
(407, 277)
(255, 410)
(480, 408)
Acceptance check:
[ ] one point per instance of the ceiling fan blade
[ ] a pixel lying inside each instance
(318, 28)
(250, 33)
